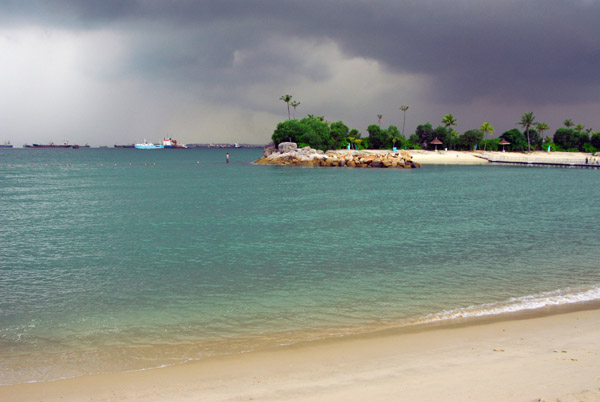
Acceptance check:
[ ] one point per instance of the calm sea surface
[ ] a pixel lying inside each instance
(122, 259)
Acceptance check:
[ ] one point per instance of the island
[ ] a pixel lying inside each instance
(288, 153)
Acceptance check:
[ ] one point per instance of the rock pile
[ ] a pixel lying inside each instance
(288, 153)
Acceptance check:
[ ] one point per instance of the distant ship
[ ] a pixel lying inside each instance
(173, 144)
(125, 146)
(51, 145)
(81, 146)
(148, 145)
(6, 144)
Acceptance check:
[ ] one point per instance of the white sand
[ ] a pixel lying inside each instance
(447, 157)
(543, 358)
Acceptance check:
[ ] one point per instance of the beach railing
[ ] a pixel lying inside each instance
(497, 157)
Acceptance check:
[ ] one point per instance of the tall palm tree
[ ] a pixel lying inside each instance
(404, 108)
(541, 127)
(527, 120)
(579, 127)
(287, 99)
(449, 121)
(487, 128)
(568, 123)
(379, 116)
(294, 104)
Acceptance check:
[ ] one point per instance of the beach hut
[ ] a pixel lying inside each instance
(503, 143)
(436, 142)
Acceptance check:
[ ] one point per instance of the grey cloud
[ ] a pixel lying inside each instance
(539, 51)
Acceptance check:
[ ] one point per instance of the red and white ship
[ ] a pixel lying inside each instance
(173, 144)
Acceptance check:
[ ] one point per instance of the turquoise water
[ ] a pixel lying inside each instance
(121, 259)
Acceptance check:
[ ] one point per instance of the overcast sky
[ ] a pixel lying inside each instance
(119, 71)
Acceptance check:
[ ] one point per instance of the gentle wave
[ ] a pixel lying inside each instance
(516, 304)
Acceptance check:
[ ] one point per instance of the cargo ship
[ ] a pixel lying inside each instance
(51, 145)
(170, 143)
(6, 144)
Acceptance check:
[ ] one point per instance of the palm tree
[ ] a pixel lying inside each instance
(379, 116)
(487, 128)
(579, 127)
(294, 104)
(527, 120)
(568, 123)
(449, 121)
(287, 99)
(404, 108)
(541, 127)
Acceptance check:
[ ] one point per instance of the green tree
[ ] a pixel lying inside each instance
(579, 127)
(568, 123)
(517, 140)
(541, 127)
(290, 130)
(444, 135)
(486, 128)
(571, 140)
(394, 136)
(339, 134)
(294, 104)
(376, 136)
(469, 139)
(413, 142)
(424, 133)
(287, 99)
(595, 140)
(527, 120)
(318, 135)
(448, 121)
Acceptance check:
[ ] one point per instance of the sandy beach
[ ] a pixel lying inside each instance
(481, 158)
(550, 358)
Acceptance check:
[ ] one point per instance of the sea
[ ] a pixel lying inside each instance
(115, 260)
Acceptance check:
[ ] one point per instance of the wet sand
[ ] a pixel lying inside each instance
(525, 359)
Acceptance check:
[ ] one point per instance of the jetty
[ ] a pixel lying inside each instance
(545, 159)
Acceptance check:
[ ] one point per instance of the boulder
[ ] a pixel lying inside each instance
(287, 147)
(269, 149)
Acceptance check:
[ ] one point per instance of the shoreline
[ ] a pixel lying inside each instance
(515, 356)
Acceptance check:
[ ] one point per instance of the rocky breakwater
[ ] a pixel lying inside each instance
(287, 153)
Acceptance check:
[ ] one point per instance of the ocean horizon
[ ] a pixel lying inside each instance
(120, 259)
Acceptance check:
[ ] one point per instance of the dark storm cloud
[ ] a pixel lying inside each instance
(540, 51)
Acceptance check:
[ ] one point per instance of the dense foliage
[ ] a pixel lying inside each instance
(318, 133)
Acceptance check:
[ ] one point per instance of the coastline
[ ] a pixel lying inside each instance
(536, 355)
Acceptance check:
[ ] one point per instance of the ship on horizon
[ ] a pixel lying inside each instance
(51, 145)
